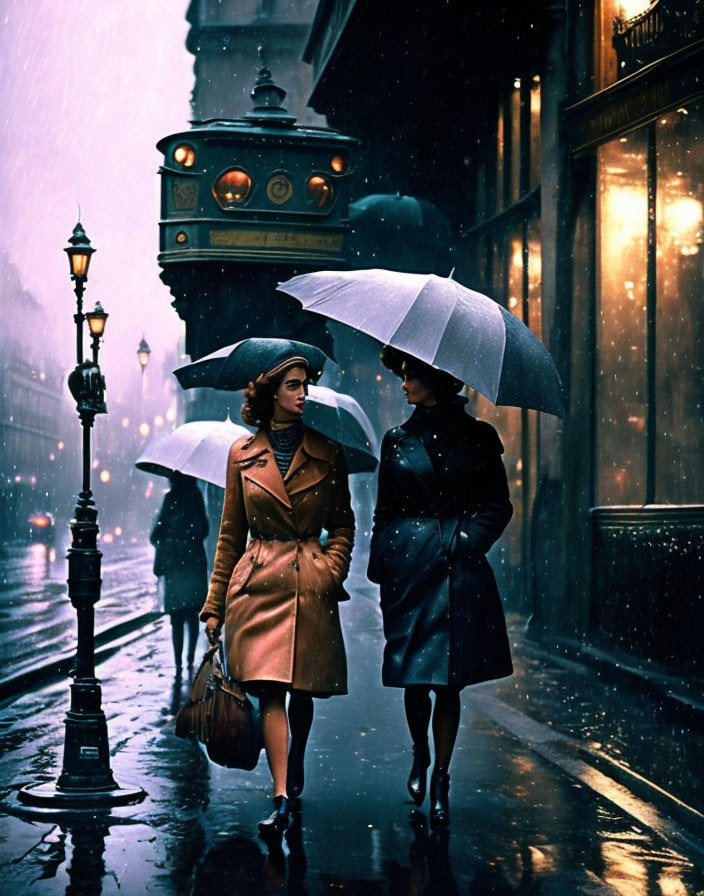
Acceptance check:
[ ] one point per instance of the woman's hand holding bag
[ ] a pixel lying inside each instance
(220, 715)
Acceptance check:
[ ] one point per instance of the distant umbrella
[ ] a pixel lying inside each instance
(442, 323)
(197, 449)
(234, 366)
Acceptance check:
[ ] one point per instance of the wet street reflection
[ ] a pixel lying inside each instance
(530, 816)
(87, 868)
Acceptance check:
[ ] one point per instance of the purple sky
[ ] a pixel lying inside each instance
(86, 90)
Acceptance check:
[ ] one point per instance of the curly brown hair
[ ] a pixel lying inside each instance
(258, 407)
(442, 383)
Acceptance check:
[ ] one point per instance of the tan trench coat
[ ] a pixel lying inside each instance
(279, 597)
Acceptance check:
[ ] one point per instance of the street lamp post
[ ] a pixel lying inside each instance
(86, 779)
(143, 352)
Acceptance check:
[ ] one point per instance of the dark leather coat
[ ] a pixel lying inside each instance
(435, 519)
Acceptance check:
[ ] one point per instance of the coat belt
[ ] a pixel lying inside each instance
(278, 536)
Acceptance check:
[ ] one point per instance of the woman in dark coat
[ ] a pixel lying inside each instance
(442, 502)
(277, 591)
(178, 536)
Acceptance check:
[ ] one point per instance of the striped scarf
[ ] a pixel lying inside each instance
(285, 442)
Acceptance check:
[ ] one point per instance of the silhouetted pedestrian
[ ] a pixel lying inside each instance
(178, 536)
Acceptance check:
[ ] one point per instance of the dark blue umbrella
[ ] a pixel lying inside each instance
(234, 366)
(442, 323)
(334, 414)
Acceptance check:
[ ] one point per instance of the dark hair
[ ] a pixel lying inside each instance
(258, 407)
(442, 383)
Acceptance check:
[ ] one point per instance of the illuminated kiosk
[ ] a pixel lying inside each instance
(246, 203)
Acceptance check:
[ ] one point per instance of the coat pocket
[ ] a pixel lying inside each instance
(248, 562)
(327, 578)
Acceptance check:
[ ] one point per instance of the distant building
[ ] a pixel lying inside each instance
(36, 436)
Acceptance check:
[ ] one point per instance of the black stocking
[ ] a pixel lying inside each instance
(300, 719)
(192, 623)
(416, 701)
(177, 621)
(446, 720)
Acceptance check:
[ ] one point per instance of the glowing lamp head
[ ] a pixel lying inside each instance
(143, 352)
(79, 251)
(96, 320)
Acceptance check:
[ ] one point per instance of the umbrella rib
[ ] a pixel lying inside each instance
(405, 317)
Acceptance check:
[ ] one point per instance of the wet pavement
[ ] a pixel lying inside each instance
(537, 804)
(35, 612)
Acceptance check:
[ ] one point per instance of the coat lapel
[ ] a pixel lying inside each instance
(257, 463)
(414, 451)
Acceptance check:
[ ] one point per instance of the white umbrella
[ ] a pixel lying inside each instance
(197, 449)
(442, 323)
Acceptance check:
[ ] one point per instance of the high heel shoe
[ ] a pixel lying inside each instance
(276, 822)
(295, 776)
(439, 800)
(417, 778)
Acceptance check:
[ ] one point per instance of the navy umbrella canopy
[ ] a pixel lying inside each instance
(443, 323)
(334, 414)
(234, 366)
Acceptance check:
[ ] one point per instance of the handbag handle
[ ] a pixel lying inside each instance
(216, 646)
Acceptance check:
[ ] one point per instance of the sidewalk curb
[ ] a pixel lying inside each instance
(669, 691)
(60, 666)
(647, 803)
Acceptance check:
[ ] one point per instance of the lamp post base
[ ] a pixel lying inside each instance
(50, 796)
(86, 780)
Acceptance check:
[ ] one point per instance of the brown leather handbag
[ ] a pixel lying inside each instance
(221, 716)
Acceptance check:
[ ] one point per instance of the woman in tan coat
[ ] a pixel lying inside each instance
(277, 592)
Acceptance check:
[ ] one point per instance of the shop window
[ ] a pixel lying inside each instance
(621, 320)
(500, 159)
(514, 185)
(517, 142)
(535, 273)
(650, 327)
(534, 176)
(679, 333)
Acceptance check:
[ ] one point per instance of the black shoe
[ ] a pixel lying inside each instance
(295, 778)
(416, 779)
(276, 822)
(439, 800)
